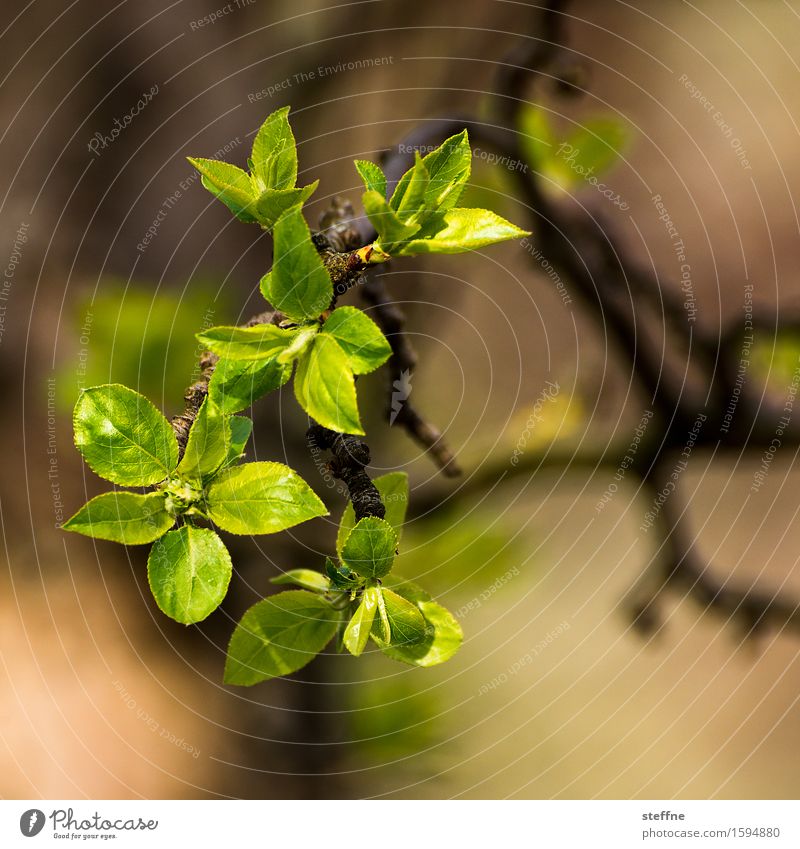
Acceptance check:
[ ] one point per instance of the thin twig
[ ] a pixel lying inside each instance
(391, 320)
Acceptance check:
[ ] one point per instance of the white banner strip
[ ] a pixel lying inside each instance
(396, 824)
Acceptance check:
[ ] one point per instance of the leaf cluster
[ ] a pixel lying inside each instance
(267, 190)
(422, 215)
(127, 441)
(355, 600)
(329, 347)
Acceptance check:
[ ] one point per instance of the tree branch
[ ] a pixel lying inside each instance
(610, 282)
(400, 410)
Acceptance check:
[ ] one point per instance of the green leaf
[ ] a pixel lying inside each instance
(357, 633)
(537, 139)
(189, 571)
(359, 337)
(123, 437)
(594, 147)
(448, 171)
(208, 443)
(406, 623)
(340, 576)
(241, 428)
(261, 498)
(408, 199)
(271, 204)
(229, 184)
(324, 386)
(236, 384)
(374, 179)
(443, 635)
(385, 220)
(261, 342)
(459, 230)
(308, 579)
(589, 151)
(302, 342)
(125, 517)
(393, 488)
(409, 590)
(774, 358)
(370, 547)
(298, 285)
(274, 154)
(279, 635)
(381, 624)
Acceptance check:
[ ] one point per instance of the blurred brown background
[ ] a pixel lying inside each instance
(553, 694)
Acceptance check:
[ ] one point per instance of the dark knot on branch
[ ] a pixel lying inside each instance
(350, 456)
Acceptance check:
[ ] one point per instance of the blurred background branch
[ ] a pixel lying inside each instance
(124, 258)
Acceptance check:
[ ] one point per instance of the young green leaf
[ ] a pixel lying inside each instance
(374, 179)
(241, 428)
(308, 579)
(302, 342)
(594, 147)
(443, 635)
(408, 198)
(229, 184)
(261, 498)
(236, 384)
(271, 204)
(448, 171)
(409, 590)
(590, 150)
(208, 443)
(459, 230)
(126, 517)
(370, 547)
(298, 285)
(279, 635)
(393, 489)
(123, 437)
(189, 570)
(537, 139)
(405, 622)
(381, 624)
(274, 155)
(385, 220)
(359, 337)
(324, 386)
(357, 633)
(341, 577)
(261, 342)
